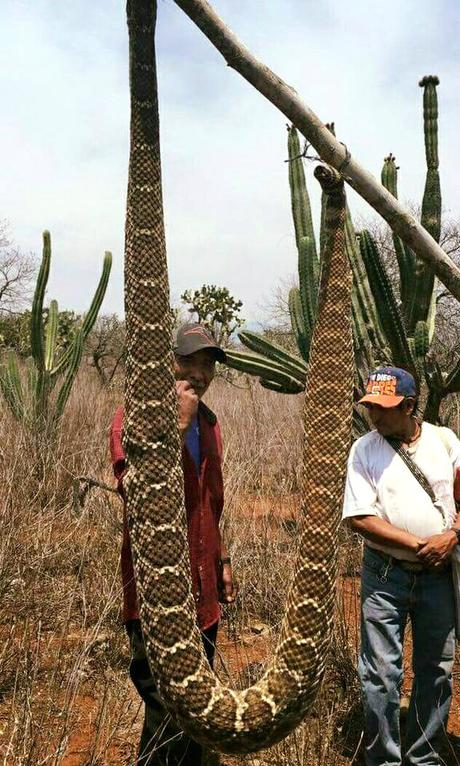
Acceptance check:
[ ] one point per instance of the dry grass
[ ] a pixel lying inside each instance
(66, 698)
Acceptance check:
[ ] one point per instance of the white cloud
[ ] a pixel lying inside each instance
(64, 132)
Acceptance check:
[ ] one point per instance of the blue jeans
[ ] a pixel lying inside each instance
(389, 595)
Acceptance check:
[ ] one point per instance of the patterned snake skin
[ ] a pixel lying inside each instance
(220, 717)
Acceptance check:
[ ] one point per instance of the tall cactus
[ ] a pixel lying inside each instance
(31, 401)
(405, 256)
(385, 329)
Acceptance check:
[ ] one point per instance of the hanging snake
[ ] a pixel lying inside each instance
(223, 718)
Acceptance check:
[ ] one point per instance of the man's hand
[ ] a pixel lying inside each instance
(228, 587)
(188, 405)
(437, 548)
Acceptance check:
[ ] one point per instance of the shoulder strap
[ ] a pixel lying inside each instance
(413, 467)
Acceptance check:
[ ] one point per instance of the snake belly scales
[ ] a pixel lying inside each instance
(228, 720)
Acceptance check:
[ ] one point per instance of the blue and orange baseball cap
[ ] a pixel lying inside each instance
(388, 386)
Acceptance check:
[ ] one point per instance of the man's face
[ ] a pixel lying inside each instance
(391, 421)
(197, 369)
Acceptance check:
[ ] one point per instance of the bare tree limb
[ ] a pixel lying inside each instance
(329, 149)
(17, 270)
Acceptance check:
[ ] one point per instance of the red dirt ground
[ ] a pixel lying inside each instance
(237, 656)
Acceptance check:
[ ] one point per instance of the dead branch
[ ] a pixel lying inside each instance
(329, 149)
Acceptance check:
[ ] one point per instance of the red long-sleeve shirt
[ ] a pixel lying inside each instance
(204, 494)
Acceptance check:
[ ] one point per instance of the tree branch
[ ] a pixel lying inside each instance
(329, 149)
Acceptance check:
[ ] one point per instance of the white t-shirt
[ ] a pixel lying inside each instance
(380, 484)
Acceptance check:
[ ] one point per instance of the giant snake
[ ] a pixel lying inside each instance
(218, 716)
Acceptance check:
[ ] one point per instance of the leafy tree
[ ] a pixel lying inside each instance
(215, 308)
(15, 331)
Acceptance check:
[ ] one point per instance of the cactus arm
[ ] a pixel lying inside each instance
(308, 279)
(259, 366)
(404, 255)
(363, 350)
(91, 314)
(77, 351)
(281, 389)
(274, 352)
(308, 265)
(420, 346)
(301, 332)
(432, 202)
(36, 316)
(421, 339)
(385, 299)
(51, 335)
(364, 302)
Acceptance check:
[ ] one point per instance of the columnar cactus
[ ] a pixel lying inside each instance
(387, 329)
(31, 401)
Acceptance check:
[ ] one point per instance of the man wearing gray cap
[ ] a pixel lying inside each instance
(196, 353)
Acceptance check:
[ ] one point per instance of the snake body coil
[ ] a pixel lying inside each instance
(228, 720)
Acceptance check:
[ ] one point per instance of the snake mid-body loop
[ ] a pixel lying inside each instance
(226, 719)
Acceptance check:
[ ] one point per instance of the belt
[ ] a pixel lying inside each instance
(415, 567)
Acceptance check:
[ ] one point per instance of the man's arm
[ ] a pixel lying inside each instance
(360, 507)
(383, 533)
(228, 587)
(438, 548)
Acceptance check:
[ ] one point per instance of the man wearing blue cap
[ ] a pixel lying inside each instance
(400, 497)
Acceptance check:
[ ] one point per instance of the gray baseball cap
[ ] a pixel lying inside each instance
(192, 336)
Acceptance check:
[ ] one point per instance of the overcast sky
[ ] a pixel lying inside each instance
(64, 128)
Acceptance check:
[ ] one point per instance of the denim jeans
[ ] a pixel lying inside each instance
(389, 595)
(163, 743)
